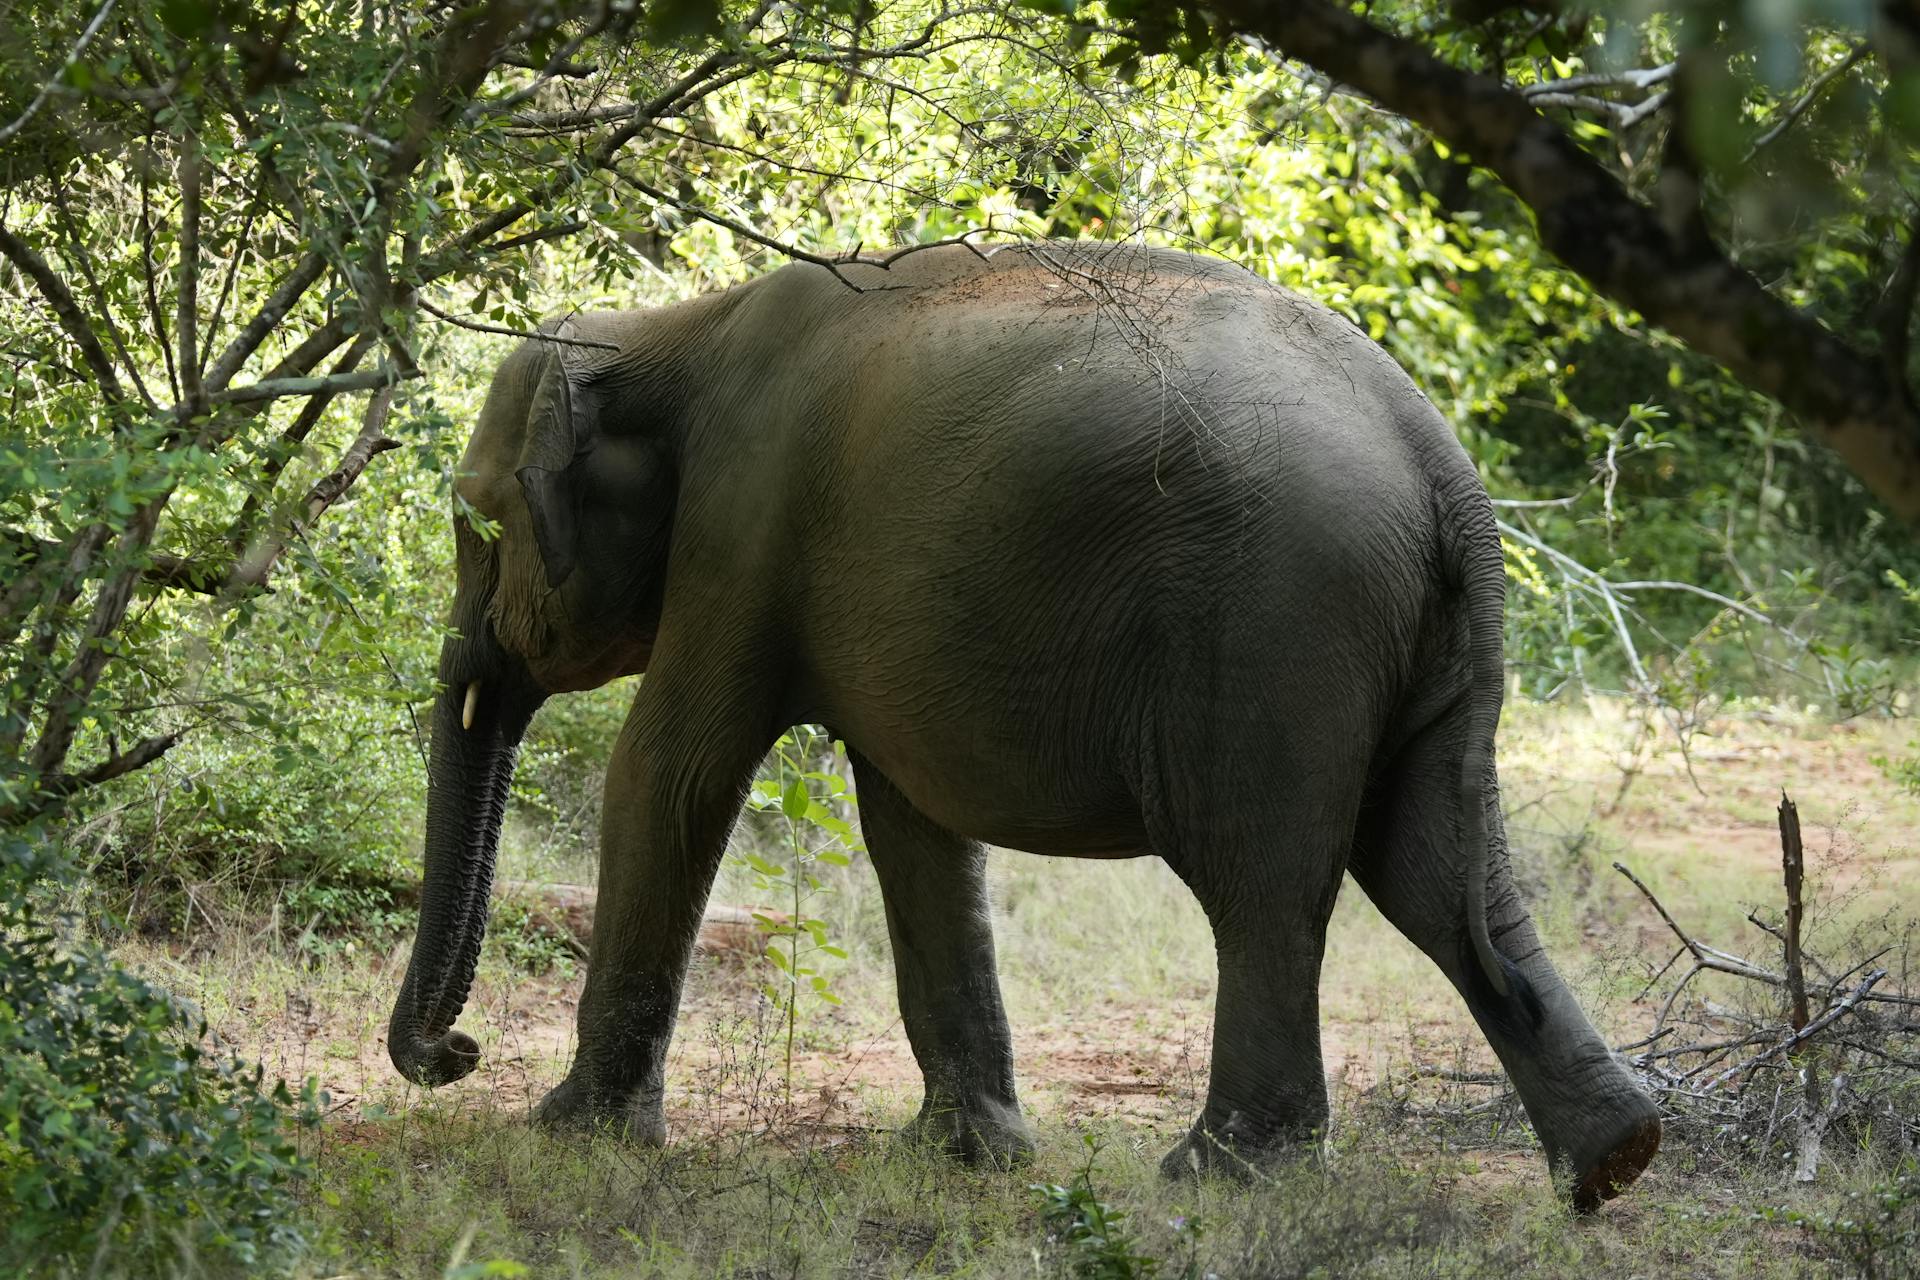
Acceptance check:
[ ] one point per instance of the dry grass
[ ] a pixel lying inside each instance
(1108, 976)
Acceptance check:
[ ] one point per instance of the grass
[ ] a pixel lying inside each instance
(1107, 970)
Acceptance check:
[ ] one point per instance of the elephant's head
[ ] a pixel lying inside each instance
(562, 592)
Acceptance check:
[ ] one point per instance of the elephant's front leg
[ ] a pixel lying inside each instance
(934, 884)
(674, 788)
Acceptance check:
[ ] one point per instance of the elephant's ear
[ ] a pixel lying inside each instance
(560, 432)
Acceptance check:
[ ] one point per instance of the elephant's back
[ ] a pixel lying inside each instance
(1086, 349)
(1182, 388)
(1096, 488)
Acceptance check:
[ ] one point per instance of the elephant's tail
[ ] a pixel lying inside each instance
(1472, 541)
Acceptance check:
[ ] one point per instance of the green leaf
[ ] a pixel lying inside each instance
(794, 802)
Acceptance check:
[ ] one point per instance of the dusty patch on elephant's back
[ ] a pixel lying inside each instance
(1069, 283)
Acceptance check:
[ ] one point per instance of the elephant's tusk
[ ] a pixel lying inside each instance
(473, 703)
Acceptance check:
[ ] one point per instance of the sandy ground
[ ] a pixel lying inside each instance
(1135, 1059)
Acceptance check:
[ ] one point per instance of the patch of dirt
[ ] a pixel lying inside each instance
(1141, 1061)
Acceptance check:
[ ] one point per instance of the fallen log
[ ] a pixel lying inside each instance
(567, 909)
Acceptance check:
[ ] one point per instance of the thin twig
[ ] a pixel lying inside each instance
(1847, 1004)
(481, 327)
(1806, 100)
(46, 89)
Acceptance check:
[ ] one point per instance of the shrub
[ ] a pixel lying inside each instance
(122, 1135)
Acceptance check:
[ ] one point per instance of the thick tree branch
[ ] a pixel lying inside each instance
(1590, 222)
(65, 310)
(55, 789)
(252, 571)
(330, 384)
(1631, 79)
(92, 652)
(187, 299)
(265, 321)
(1896, 319)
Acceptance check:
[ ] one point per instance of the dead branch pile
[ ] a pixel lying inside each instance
(1797, 1055)
(1809, 1050)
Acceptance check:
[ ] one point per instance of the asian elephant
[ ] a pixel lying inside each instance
(1083, 550)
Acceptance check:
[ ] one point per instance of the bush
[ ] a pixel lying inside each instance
(122, 1136)
(1875, 1236)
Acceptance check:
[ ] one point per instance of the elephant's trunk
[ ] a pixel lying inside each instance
(478, 722)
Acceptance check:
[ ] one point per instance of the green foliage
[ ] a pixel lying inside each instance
(530, 942)
(1094, 1235)
(122, 1133)
(803, 794)
(1876, 1236)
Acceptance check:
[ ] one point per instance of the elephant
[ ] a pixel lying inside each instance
(1102, 551)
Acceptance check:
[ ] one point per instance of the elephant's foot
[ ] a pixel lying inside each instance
(1235, 1149)
(570, 1106)
(982, 1131)
(1622, 1159)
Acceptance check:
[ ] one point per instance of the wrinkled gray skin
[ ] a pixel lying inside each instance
(1098, 553)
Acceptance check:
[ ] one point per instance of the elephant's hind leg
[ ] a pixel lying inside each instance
(1265, 862)
(1596, 1124)
(934, 884)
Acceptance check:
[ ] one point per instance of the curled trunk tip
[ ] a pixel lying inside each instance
(442, 1060)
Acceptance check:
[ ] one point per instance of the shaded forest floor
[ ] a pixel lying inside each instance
(1108, 976)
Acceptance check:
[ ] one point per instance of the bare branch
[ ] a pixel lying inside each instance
(1725, 602)
(56, 789)
(1793, 873)
(1624, 115)
(46, 89)
(1847, 1004)
(1705, 957)
(481, 327)
(1806, 100)
(65, 309)
(1632, 79)
(332, 384)
(187, 312)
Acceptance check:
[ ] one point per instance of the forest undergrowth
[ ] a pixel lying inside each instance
(1428, 1168)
